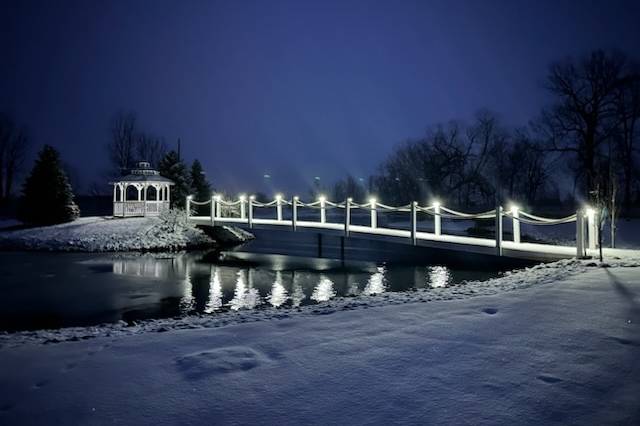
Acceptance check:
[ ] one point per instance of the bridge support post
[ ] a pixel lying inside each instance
(213, 212)
(187, 205)
(498, 230)
(592, 228)
(250, 219)
(294, 213)
(243, 208)
(515, 216)
(580, 248)
(437, 219)
(279, 207)
(217, 209)
(342, 248)
(323, 212)
(374, 214)
(414, 223)
(347, 216)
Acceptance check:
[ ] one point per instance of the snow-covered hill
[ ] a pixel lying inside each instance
(105, 234)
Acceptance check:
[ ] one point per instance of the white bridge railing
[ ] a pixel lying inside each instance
(242, 211)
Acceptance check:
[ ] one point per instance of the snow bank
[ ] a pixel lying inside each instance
(106, 234)
(539, 275)
(564, 351)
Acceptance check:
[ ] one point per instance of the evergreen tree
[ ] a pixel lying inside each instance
(172, 167)
(199, 184)
(47, 195)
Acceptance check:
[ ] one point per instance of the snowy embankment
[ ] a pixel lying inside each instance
(563, 349)
(111, 234)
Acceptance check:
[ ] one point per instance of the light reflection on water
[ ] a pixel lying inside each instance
(87, 289)
(250, 281)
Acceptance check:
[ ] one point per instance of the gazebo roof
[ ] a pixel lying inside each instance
(143, 174)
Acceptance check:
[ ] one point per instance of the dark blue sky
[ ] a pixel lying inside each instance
(295, 89)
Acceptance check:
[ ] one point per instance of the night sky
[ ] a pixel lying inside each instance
(295, 89)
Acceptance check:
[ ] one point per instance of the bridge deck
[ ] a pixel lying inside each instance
(529, 251)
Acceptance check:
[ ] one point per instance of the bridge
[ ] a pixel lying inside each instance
(362, 221)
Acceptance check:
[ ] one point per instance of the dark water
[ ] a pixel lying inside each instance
(51, 290)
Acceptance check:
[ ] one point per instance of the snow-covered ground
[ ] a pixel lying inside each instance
(560, 349)
(105, 234)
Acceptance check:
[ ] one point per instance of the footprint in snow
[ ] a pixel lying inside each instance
(549, 379)
(624, 341)
(70, 366)
(490, 311)
(40, 384)
(198, 365)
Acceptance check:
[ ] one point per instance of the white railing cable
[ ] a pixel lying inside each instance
(540, 220)
(567, 219)
(453, 214)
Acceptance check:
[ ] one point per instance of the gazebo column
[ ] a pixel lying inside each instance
(123, 194)
(144, 199)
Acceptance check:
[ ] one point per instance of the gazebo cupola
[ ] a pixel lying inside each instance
(143, 192)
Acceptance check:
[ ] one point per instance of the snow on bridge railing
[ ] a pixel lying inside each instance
(244, 207)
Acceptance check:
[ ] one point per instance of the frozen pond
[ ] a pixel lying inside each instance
(51, 290)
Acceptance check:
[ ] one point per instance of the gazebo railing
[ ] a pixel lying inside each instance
(139, 208)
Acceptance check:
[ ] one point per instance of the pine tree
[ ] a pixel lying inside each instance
(47, 195)
(172, 167)
(199, 184)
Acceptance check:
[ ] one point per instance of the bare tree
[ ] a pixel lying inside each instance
(121, 145)
(584, 115)
(14, 161)
(627, 98)
(150, 148)
(13, 151)
(349, 188)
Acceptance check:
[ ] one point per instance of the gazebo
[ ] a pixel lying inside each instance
(143, 192)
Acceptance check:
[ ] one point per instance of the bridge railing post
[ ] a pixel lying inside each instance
(279, 207)
(414, 223)
(323, 212)
(499, 230)
(243, 207)
(515, 224)
(580, 247)
(437, 219)
(592, 228)
(217, 210)
(188, 205)
(374, 213)
(347, 216)
(294, 213)
(213, 211)
(250, 219)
